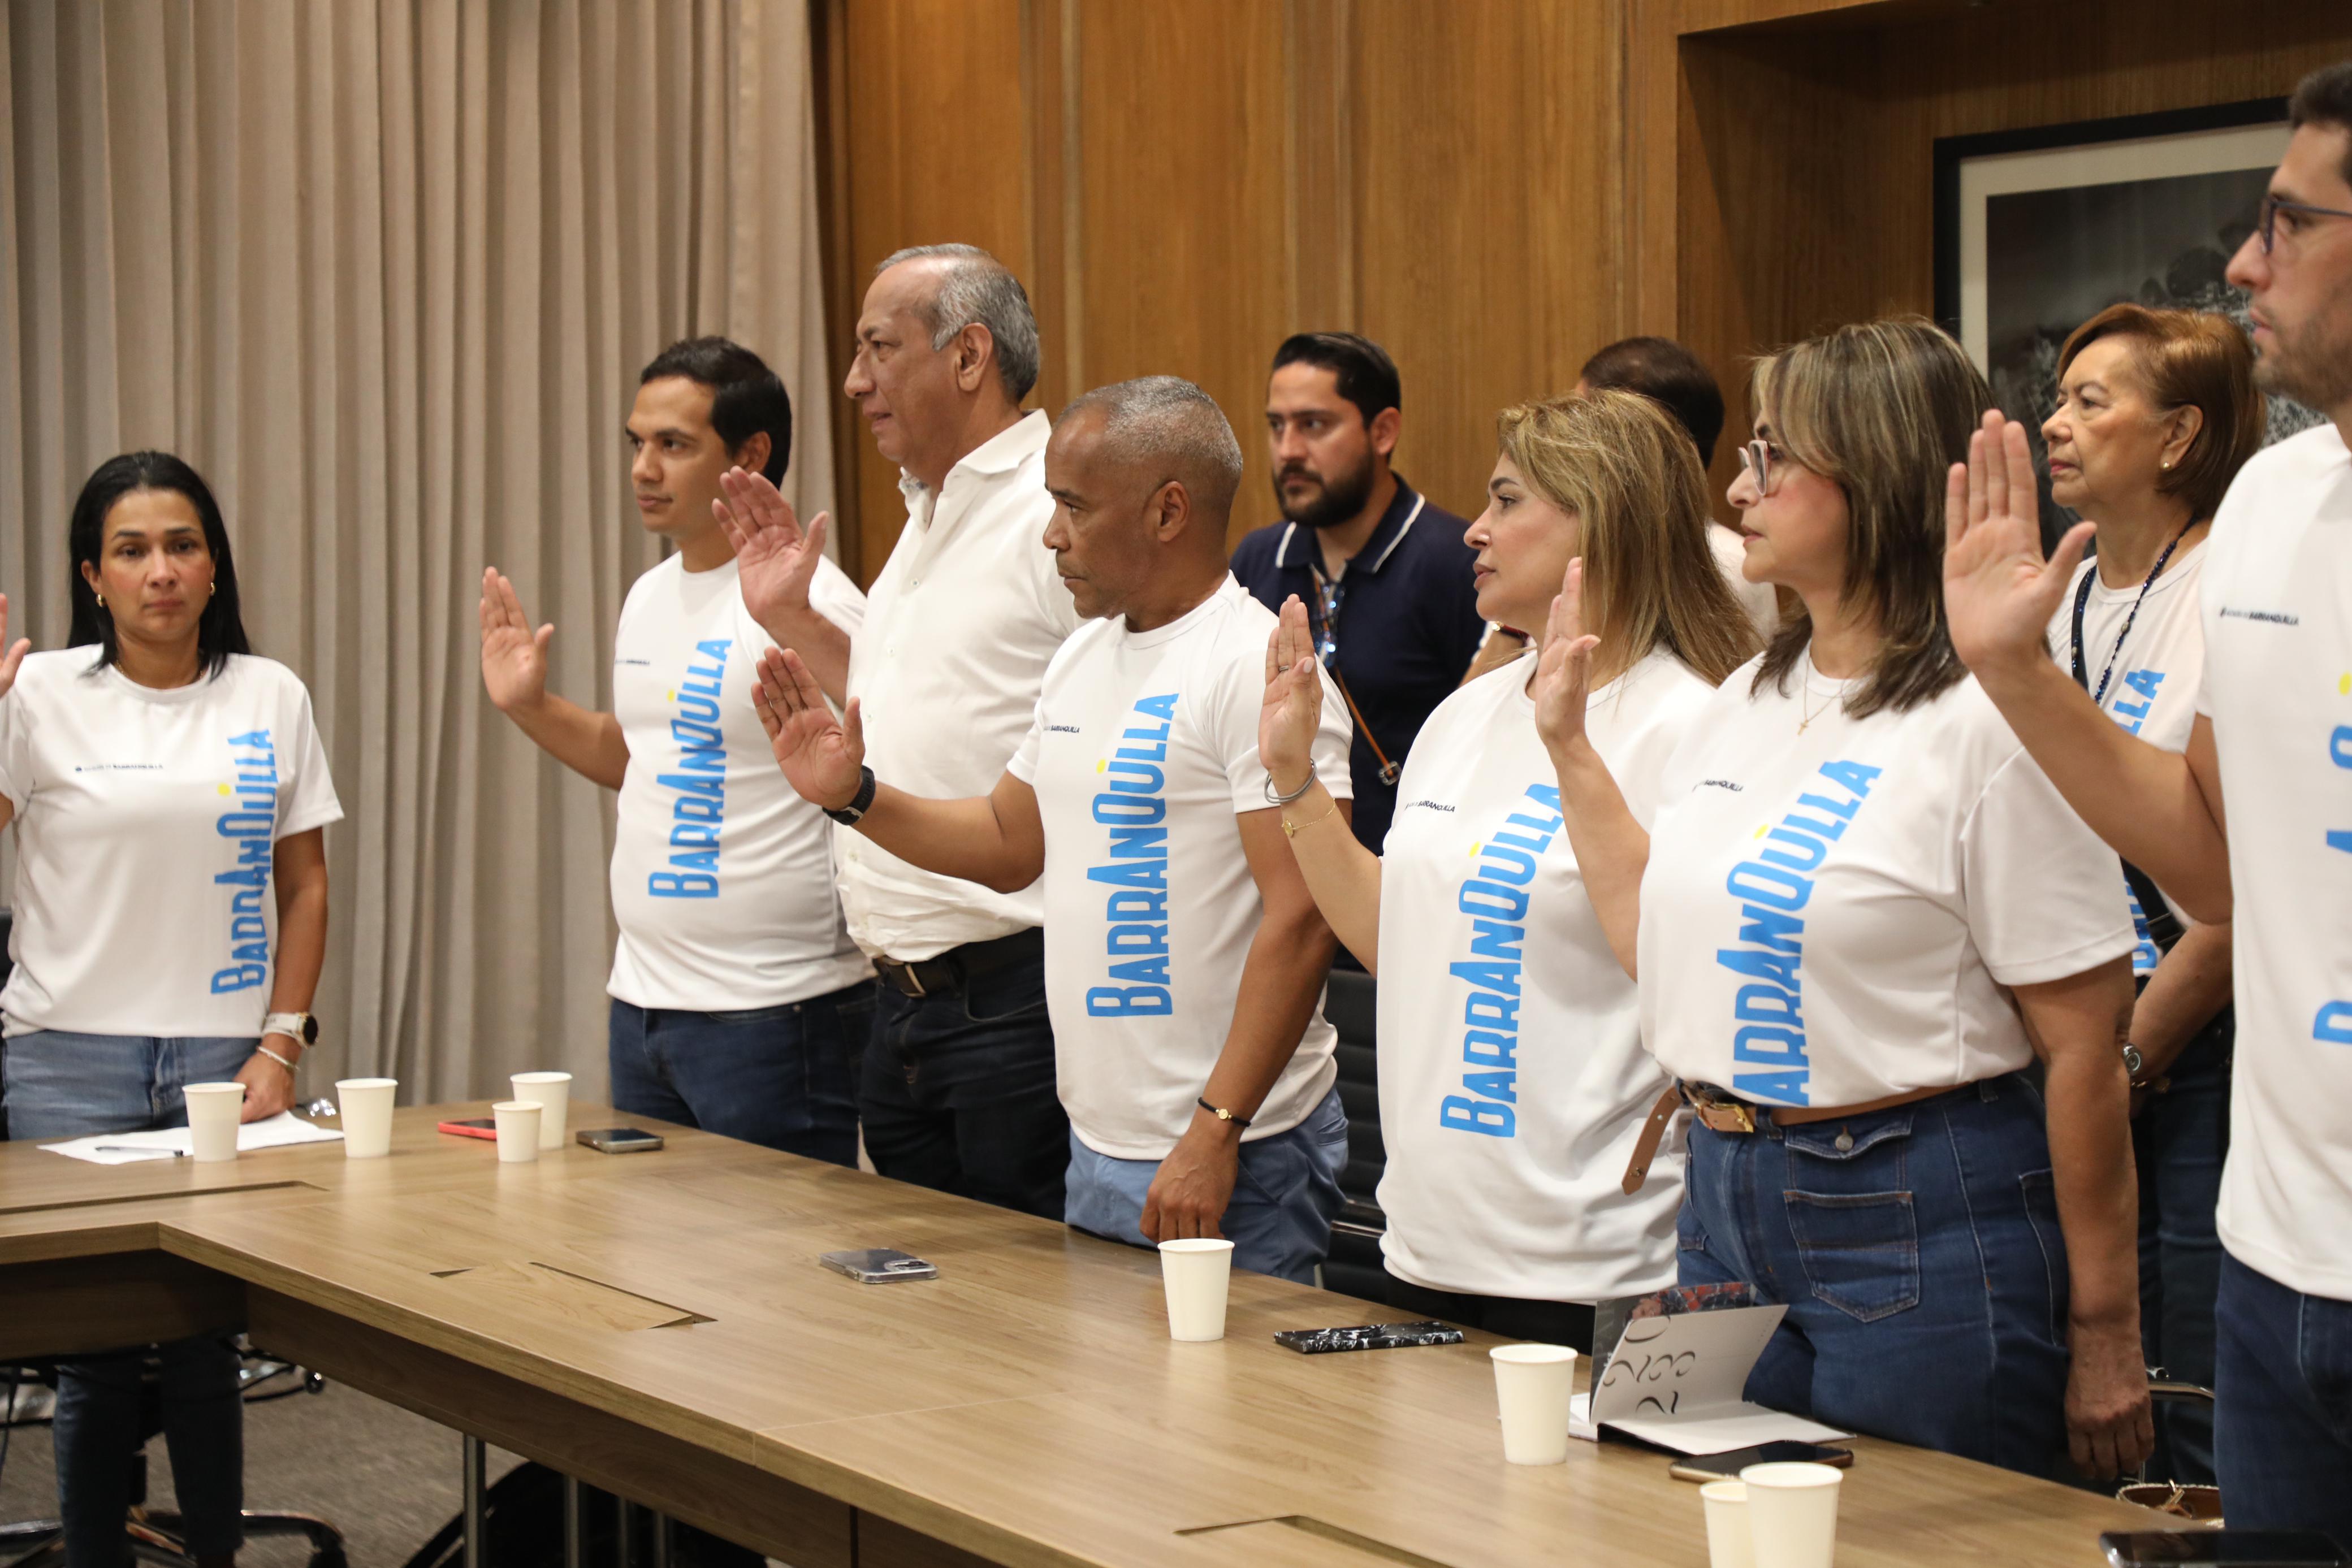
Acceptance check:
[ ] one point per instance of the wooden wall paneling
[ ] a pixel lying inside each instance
(829, 75)
(1182, 204)
(1490, 223)
(1319, 68)
(936, 151)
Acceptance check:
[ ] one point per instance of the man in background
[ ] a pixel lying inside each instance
(957, 1090)
(736, 992)
(1383, 573)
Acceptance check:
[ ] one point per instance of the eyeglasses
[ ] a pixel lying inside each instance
(1331, 593)
(2272, 206)
(1757, 458)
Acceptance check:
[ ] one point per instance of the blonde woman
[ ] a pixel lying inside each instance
(1513, 1082)
(1858, 917)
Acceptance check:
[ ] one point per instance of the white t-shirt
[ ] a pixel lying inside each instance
(145, 823)
(2278, 688)
(1513, 1080)
(1758, 599)
(1831, 914)
(959, 628)
(722, 876)
(2152, 689)
(1143, 752)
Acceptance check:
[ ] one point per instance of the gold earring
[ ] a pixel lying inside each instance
(215, 587)
(99, 597)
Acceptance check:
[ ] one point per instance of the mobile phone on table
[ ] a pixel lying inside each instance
(2231, 1547)
(878, 1265)
(618, 1140)
(1726, 1467)
(1366, 1336)
(484, 1128)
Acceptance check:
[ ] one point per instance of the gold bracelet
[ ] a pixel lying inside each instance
(1292, 829)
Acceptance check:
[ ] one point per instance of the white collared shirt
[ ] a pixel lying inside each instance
(959, 629)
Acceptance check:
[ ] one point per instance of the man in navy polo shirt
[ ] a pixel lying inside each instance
(1383, 572)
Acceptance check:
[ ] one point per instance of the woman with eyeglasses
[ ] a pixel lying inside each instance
(169, 797)
(2157, 412)
(1860, 914)
(1513, 1083)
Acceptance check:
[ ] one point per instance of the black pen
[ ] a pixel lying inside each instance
(136, 1149)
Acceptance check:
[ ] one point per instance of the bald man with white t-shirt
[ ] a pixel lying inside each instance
(1184, 959)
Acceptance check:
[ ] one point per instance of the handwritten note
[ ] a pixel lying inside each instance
(1678, 1381)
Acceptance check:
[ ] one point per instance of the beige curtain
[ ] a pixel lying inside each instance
(384, 271)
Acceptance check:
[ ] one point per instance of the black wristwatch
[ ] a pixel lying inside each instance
(859, 804)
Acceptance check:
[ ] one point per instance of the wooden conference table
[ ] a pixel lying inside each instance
(656, 1324)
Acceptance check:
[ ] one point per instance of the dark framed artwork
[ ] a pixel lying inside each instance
(2038, 230)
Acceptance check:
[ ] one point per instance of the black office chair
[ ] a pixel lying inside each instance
(153, 1535)
(1353, 1267)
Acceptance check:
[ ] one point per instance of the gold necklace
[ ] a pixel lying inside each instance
(1804, 703)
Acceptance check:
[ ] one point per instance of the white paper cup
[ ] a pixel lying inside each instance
(1532, 1384)
(1729, 1543)
(553, 1093)
(364, 1105)
(518, 1123)
(1196, 1274)
(214, 1110)
(1793, 1514)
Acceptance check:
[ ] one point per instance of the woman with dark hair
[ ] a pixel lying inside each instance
(1859, 915)
(2157, 412)
(163, 782)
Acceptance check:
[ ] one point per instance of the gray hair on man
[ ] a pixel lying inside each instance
(974, 287)
(1168, 425)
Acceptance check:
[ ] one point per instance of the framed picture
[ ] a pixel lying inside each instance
(2039, 230)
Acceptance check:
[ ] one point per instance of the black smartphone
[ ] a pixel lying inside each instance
(2234, 1548)
(1726, 1467)
(618, 1140)
(1366, 1336)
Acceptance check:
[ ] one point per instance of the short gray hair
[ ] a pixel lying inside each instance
(974, 287)
(1171, 427)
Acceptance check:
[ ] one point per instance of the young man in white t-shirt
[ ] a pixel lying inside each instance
(738, 998)
(1184, 959)
(2273, 737)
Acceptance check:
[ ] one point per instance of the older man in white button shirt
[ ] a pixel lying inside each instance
(957, 1091)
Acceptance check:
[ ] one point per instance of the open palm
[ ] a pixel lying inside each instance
(822, 758)
(11, 661)
(1292, 708)
(1563, 677)
(777, 557)
(1999, 593)
(514, 657)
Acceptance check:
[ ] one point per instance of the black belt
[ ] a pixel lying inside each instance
(951, 969)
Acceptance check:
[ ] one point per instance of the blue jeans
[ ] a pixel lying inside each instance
(958, 1092)
(2283, 1431)
(62, 1086)
(1285, 1195)
(1918, 1252)
(779, 1076)
(2179, 1140)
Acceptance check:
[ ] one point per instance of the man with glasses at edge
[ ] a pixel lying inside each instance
(1382, 570)
(2274, 740)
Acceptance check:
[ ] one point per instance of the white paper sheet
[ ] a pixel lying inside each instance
(164, 1143)
(1677, 1382)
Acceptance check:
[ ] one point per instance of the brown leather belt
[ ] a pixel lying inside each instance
(950, 970)
(1722, 1115)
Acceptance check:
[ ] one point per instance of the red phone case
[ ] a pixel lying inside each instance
(489, 1132)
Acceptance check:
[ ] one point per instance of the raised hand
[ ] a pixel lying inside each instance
(11, 661)
(1999, 593)
(514, 657)
(1292, 708)
(822, 758)
(1563, 677)
(777, 556)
